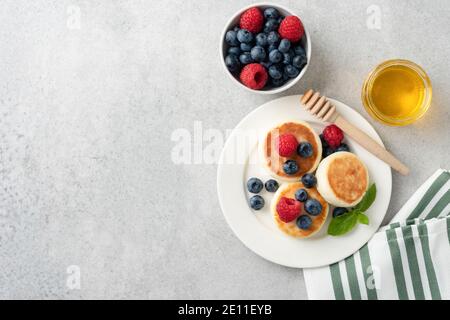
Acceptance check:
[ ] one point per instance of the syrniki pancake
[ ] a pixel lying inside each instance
(342, 179)
(273, 162)
(288, 190)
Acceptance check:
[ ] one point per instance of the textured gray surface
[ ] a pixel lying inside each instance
(86, 117)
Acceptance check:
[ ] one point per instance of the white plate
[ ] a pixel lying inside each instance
(256, 229)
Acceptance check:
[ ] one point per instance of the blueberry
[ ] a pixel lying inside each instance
(277, 82)
(272, 47)
(245, 58)
(280, 19)
(258, 53)
(231, 38)
(275, 72)
(232, 63)
(287, 58)
(275, 56)
(343, 147)
(257, 202)
(313, 207)
(328, 152)
(270, 25)
(271, 185)
(266, 64)
(301, 195)
(245, 47)
(322, 139)
(234, 50)
(305, 150)
(284, 45)
(254, 185)
(271, 13)
(304, 222)
(299, 62)
(299, 51)
(309, 180)
(291, 71)
(244, 36)
(273, 38)
(339, 212)
(290, 167)
(261, 39)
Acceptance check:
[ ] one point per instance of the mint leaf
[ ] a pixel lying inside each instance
(368, 199)
(363, 219)
(343, 224)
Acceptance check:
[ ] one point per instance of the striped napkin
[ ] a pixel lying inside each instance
(407, 259)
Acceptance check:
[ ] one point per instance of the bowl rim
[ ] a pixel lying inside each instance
(287, 85)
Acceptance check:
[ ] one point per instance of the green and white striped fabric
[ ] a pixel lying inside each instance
(407, 259)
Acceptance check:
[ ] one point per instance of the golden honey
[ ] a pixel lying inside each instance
(397, 92)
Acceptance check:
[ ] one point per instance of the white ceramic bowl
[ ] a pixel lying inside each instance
(234, 21)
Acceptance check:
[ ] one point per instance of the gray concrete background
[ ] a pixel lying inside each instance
(86, 117)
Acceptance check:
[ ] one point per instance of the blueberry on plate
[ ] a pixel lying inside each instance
(290, 167)
(261, 39)
(313, 207)
(232, 63)
(277, 82)
(339, 212)
(271, 25)
(287, 58)
(275, 72)
(254, 185)
(291, 71)
(322, 139)
(271, 185)
(284, 45)
(245, 58)
(272, 47)
(245, 36)
(343, 147)
(245, 47)
(309, 180)
(301, 195)
(231, 38)
(275, 56)
(234, 50)
(273, 38)
(328, 151)
(299, 62)
(304, 222)
(258, 53)
(299, 51)
(257, 202)
(305, 150)
(271, 13)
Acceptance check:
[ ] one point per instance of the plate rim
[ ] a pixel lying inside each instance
(231, 224)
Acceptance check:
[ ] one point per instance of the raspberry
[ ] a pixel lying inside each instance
(286, 144)
(254, 76)
(288, 209)
(333, 136)
(291, 28)
(252, 20)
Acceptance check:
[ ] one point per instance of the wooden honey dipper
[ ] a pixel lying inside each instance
(324, 110)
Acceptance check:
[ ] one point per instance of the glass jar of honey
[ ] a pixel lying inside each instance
(397, 92)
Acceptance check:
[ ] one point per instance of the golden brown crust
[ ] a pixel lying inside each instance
(291, 228)
(303, 134)
(347, 177)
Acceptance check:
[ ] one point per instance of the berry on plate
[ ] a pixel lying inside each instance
(257, 202)
(246, 58)
(304, 222)
(305, 150)
(291, 28)
(288, 209)
(258, 53)
(271, 13)
(245, 36)
(309, 180)
(231, 38)
(261, 39)
(273, 38)
(275, 72)
(291, 71)
(254, 76)
(290, 167)
(232, 63)
(339, 212)
(275, 56)
(234, 50)
(343, 147)
(252, 20)
(333, 136)
(271, 185)
(271, 25)
(313, 207)
(254, 185)
(284, 45)
(286, 144)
